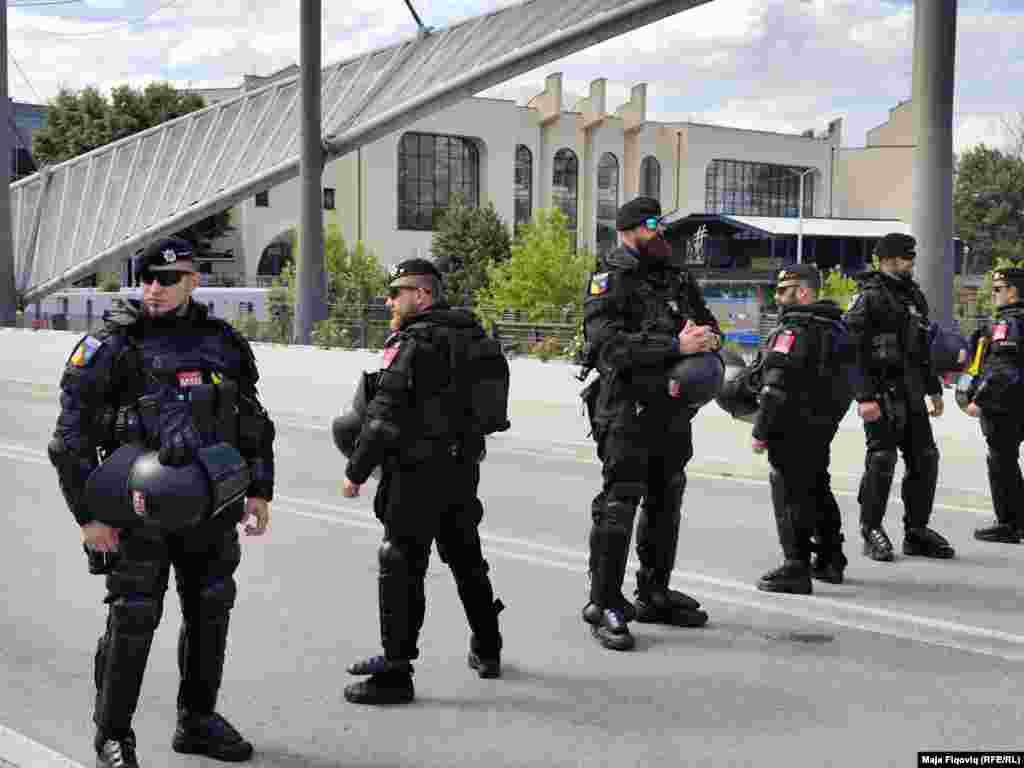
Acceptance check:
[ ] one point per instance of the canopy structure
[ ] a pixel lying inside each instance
(69, 219)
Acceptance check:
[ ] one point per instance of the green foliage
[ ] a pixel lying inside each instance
(109, 281)
(281, 306)
(353, 276)
(543, 277)
(79, 122)
(467, 242)
(988, 205)
(838, 288)
(331, 333)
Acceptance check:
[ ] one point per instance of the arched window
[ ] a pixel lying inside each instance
(650, 177)
(607, 202)
(275, 258)
(432, 168)
(564, 187)
(523, 190)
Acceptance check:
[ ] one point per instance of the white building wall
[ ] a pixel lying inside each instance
(708, 142)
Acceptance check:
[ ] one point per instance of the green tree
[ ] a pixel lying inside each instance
(837, 287)
(988, 205)
(354, 277)
(79, 122)
(544, 275)
(467, 242)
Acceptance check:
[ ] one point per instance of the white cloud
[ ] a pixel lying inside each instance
(770, 64)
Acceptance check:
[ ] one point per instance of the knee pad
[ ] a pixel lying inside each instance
(217, 598)
(619, 514)
(134, 615)
(885, 461)
(392, 557)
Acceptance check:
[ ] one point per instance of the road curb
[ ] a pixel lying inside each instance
(19, 751)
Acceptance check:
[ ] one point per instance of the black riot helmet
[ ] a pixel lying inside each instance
(738, 396)
(345, 428)
(948, 350)
(132, 487)
(696, 379)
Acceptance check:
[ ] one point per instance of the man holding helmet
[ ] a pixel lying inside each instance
(804, 393)
(165, 377)
(652, 338)
(994, 395)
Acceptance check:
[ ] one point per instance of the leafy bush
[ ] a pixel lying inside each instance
(331, 333)
(467, 242)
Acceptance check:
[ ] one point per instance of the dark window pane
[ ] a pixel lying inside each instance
(431, 169)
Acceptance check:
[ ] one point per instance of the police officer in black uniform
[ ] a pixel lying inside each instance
(642, 314)
(888, 320)
(804, 393)
(995, 397)
(416, 430)
(164, 373)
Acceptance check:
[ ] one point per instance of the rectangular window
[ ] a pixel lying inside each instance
(756, 189)
(431, 170)
(263, 199)
(328, 199)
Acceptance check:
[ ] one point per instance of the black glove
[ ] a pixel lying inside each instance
(179, 440)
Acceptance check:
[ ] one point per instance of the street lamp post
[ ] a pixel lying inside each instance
(800, 216)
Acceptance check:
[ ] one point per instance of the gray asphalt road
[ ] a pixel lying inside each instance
(903, 657)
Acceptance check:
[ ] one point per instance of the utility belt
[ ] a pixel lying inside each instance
(427, 449)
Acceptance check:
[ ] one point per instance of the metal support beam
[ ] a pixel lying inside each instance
(8, 292)
(309, 293)
(932, 213)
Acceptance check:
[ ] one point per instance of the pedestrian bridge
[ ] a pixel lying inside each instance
(71, 219)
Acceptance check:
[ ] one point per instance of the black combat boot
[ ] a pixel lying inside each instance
(877, 545)
(792, 577)
(657, 604)
(925, 542)
(389, 682)
(115, 751)
(210, 735)
(1000, 533)
(829, 567)
(609, 627)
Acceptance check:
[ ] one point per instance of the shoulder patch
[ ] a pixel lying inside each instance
(84, 352)
(784, 342)
(391, 353)
(599, 284)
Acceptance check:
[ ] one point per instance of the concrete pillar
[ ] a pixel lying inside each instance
(932, 211)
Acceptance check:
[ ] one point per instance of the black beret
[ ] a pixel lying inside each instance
(896, 245)
(413, 267)
(634, 213)
(167, 254)
(1011, 276)
(800, 273)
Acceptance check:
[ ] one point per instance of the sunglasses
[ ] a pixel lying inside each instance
(166, 279)
(394, 290)
(652, 223)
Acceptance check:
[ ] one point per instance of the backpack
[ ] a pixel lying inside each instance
(481, 375)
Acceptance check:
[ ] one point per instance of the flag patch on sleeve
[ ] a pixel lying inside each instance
(85, 350)
(784, 342)
(599, 284)
(390, 354)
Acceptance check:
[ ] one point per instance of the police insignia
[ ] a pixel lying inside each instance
(599, 284)
(1000, 331)
(390, 354)
(784, 342)
(84, 352)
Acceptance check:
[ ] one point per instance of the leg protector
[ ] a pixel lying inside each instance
(402, 600)
(477, 596)
(202, 645)
(609, 548)
(918, 489)
(657, 527)
(793, 548)
(879, 466)
(1004, 477)
(120, 662)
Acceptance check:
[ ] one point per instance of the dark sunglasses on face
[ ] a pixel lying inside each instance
(652, 223)
(394, 290)
(166, 279)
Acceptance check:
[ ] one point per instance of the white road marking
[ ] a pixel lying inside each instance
(23, 752)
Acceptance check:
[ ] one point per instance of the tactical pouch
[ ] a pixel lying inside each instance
(228, 473)
(203, 398)
(128, 426)
(886, 350)
(149, 415)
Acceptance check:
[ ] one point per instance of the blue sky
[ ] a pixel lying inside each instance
(779, 65)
